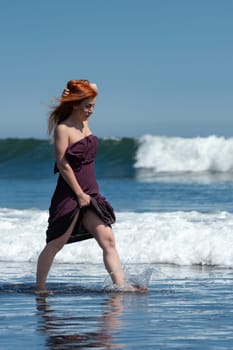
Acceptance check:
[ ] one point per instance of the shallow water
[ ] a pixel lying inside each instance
(184, 308)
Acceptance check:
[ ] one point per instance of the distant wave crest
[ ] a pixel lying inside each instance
(159, 154)
(145, 157)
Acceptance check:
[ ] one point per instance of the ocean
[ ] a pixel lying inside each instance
(173, 199)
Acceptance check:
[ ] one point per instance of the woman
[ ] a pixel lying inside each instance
(77, 210)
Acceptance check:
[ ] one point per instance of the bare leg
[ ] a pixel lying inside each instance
(47, 256)
(105, 238)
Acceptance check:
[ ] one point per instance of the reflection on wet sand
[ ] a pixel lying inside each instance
(75, 327)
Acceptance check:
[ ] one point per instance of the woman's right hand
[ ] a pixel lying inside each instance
(84, 200)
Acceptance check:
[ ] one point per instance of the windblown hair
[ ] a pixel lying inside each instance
(79, 90)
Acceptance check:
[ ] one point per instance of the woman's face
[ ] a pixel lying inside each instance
(86, 107)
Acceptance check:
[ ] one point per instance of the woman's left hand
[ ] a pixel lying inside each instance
(65, 92)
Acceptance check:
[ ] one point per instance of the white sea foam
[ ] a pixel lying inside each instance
(176, 154)
(183, 238)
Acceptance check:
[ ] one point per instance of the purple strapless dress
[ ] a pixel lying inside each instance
(64, 203)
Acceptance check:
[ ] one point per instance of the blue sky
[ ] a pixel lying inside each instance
(163, 67)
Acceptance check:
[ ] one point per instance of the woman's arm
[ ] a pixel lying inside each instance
(61, 142)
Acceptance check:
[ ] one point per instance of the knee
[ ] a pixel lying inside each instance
(58, 243)
(108, 243)
(55, 246)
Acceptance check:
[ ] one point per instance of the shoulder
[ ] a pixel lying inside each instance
(61, 133)
(61, 129)
(62, 126)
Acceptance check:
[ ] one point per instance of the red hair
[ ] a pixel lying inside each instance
(79, 90)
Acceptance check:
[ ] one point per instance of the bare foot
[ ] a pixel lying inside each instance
(43, 292)
(140, 289)
(126, 288)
